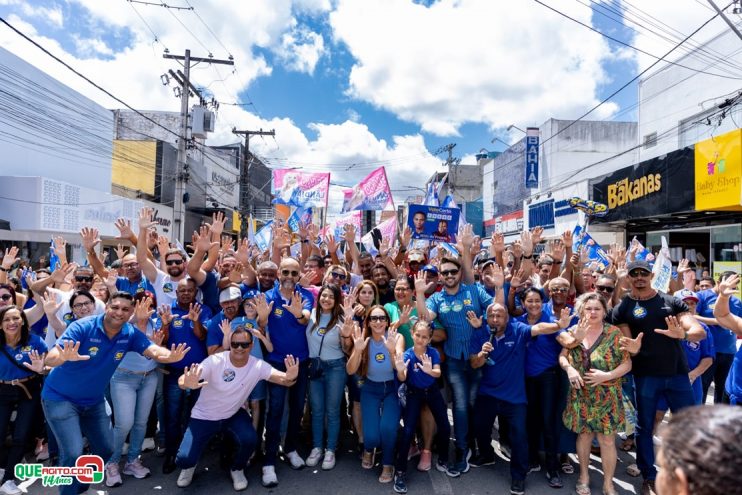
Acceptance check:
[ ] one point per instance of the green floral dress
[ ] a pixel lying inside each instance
(600, 408)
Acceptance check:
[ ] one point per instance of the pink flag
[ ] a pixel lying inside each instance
(307, 189)
(372, 193)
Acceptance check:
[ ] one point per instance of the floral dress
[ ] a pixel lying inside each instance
(599, 408)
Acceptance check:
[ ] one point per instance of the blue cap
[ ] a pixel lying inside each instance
(430, 268)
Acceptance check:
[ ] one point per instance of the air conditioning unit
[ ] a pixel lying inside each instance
(202, 122)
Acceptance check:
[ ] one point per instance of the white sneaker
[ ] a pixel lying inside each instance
(314, 456)
(148, 444)
(136, 469)
(113, 476)
(239, 482)
(269, 476)
(295, 459)
(10, 488)
(329, 461)
(186, 476)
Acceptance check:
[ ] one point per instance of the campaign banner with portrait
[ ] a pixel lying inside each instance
(433, 223)
(372, 193)
(296, 188)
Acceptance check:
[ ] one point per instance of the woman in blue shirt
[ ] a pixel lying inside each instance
(374, 351)
(20, 386)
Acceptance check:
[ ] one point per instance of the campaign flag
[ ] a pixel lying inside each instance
(372, 193)
(662, 268)
(450, 248)
(337, 225)
(433, 223)
(264, 236)
(54, 262)
(434, 188)
(593, 249)
(385, 230)
(642, 252)
(296, 250)
(297, 188)
(251, 230)
(300, 216)
(449, 202)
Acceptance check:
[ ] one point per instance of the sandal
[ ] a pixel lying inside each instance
(633, 470)
(582, 488)
(367, 460)
(568, 468)
(387, 473)
(627, 445)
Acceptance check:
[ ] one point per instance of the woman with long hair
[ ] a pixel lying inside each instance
(21, 363)
(374, 351)
(328, 336)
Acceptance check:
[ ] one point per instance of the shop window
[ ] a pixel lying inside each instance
(726, 243)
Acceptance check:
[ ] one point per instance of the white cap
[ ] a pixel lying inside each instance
(230, 293)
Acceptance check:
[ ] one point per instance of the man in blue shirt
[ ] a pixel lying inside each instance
(727, 287)
(229, 300)
(725, 342)
(72, 396)
(499, 349)
(290, 308)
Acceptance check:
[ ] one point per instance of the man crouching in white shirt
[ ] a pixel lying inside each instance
(226, 379)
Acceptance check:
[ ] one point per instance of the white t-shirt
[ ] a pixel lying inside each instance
(228, 387)
(164, 287)
(65, 312)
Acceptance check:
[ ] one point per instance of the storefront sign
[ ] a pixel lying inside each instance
(541, 215)
(532, 157)
(654, 187)
(719, 172)
(510, 223)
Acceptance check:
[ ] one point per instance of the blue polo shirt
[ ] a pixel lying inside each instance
(214, 334)
(542, 351)
(725, 340)
(84, 382)
(287, 334)
(451, 310)
(733, 385)
(181, 332)
(415, 376)
(125, 285)
(210, 291)
(20, 354)
(506, 378)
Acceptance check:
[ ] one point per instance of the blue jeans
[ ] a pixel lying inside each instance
(132, 395)
(199, 431)
(325, 396)
(380, 416)
(679, 394)
(69, 422)
(464, 382)
(276, 400)
(488, 408)
(416, 399)
(178, 405)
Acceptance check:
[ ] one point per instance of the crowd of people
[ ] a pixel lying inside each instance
(172, 348)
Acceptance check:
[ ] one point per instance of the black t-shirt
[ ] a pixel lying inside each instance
(659, 355)
(387, 297)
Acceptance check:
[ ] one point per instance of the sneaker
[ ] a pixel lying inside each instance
(239, 482)
(186, 476)
(534, 468)
(400, 484)
(444, 467)
(10, 488)
(505, 450)
(648, 488)
(462, 460)
(482, 460)
(329, 461)
(137, 469)
(555, 481)
(314, 456)
(148, 445)
(295, 460)
(113, 476)
(518, 487)
(269, 476)
(426, 460)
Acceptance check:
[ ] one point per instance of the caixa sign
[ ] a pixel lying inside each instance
(541, 215)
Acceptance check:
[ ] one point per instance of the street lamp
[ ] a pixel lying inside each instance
(513, 126)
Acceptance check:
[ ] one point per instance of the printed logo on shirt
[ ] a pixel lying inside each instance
(93, 351)
(278, 312)
(639, 312)
(380, 357)
(228, 375)
(321, 331)
(118, 356)
(26, 348)
(19, 357)
(693, 346)
(509, 343)
(167, 287)
(68, 317)
(467, 302)
(455, 306)
(177, 323)
(96, 340)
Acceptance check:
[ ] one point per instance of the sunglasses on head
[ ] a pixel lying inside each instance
(173, 262)
(83, 278)
(6, 297)
(446, 273)
(604, 288)
(243, 345)
(377, 318)
(286, 273)
(340, 276)
(639, 273)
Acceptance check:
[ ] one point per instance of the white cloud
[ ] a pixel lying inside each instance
(301, 49)
(90, 47)
(52, 15)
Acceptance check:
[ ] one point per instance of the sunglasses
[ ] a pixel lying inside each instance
(604, 288)
(241, 345)
(374, 318)
(82, 278)
(559, 290)
(639, 273)
(340, 276)
(6, 297)
(286, 273)
(446, 273)
(174, 262)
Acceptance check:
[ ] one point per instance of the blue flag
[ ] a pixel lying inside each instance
(594, 251)
(54, 262)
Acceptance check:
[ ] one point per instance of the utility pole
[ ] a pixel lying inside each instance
(726, 19)
(245, 174)
(181, 173)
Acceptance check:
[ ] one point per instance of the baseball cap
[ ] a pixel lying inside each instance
(230, 293)
(431, 269)
(416, 255)
(684, 294)
(638, 265)
(250, 294)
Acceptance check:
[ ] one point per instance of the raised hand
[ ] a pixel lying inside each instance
(227, 244)
(349, 302)
(526, 243)
(400, 363)
(674, 329)
(194, 312)
(349, 233)
(307, 277)
(69, 351)
(580, 330)
(518, 279)
(683, 266)
(406, 237)
(466, 236)
(225, 327)
(60, 274)
(142, 311)
(49, 304)
(390, 341)
(557, 250)
(10, 257)
(498, 275)
(537, 234)
(384, 248)
(202, 239)
(178, 352)
(728, 286)
(120, 251)
(426, 366)
(473, 320)
(243, 251)
(404, 315)
(296, 307)
(37, 361)
(145, 219)
(292, 367)
(60, 247)
(568, 239)
(332, 246)
(192, 377)
(264, 309)
(498, 242)
(359, 342)
(217, 224)
(124, 228)
(90, 238)
(632, 346)
(166, 316)
(420, 284)
(565, 317)
(163, 245)
(158, 336)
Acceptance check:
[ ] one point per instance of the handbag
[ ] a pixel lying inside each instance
(314, 370)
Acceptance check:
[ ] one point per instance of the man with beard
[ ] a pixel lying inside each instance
(290, 306)
(267, 278)
(174, 261)
(380, 276)
(229, 300)
(82, 279)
